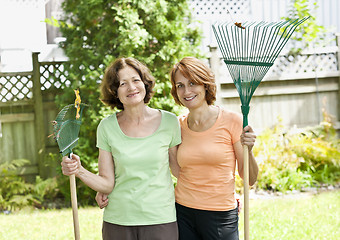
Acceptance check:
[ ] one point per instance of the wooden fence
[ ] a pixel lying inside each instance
(296, 89)
(26, 108)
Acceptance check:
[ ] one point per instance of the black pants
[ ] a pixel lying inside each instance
(194, 224)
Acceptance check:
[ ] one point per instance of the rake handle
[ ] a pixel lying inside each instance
(246, 190)
(74, 206)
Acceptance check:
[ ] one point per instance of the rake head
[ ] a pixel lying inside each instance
(249, 50)
(66, 128)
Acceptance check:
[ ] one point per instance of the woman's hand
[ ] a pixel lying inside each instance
(239, 206)
(71, 165)
(102, 200)
(248, 137)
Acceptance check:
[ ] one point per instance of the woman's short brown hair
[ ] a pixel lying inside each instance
(110, 83)
(196, 71)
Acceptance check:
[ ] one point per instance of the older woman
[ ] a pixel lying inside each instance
(136, 147)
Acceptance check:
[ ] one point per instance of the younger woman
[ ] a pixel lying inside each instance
(212, 139)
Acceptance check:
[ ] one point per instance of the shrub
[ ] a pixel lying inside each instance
(278, 163)
(296, 159)
(320, 149)
(15, 193)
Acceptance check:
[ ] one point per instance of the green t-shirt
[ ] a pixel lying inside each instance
(143, 193)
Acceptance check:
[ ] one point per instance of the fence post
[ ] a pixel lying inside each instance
(214, 65)
(39, 117)
(338, 44)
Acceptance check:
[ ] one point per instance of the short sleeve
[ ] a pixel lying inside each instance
(172, 127)
(176, 136)
(102, 141)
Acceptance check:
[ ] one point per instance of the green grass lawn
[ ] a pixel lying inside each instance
(308, 217)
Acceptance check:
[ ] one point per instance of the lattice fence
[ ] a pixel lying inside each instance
(18, 86)
(218, 8)
(53, 75)
(317, 63)
(14, 87)
(321, 63)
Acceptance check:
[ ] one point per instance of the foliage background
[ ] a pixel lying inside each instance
(309, 34)
(298, 159)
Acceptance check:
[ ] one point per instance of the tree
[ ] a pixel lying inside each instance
(156, 32)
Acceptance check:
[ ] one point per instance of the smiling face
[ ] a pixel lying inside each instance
(201, 81)
(190, 94)
(131, 90)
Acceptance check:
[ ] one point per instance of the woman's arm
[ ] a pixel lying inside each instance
(175, 168)
(103, 201)
(247, 138)
(103, 182)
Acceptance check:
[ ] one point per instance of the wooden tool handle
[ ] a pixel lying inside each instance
(74, 207)
(246, 190)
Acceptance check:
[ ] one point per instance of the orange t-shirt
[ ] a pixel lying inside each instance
(207, 160)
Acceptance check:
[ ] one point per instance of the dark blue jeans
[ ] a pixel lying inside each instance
(195, 224)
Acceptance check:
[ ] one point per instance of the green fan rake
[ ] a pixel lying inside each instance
(66, 130)
(249, 51)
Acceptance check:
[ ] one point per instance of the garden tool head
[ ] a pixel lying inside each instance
(67, 126)
(249, 50)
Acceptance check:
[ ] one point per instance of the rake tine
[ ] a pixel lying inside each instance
(228, 44)
(292, 25)
(259, 42)
(269, 42)
(284, 37)
(218, 40)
